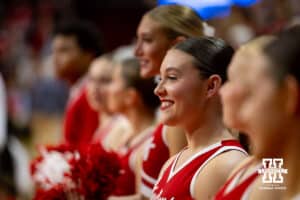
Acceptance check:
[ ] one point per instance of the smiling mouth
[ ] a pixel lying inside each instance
(143, 63)
(165, 105)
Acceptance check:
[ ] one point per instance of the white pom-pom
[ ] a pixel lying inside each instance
(52, 169)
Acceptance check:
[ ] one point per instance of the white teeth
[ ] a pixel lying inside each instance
(166, 104)
(143, 62)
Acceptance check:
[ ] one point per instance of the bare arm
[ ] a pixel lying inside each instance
(215, 173)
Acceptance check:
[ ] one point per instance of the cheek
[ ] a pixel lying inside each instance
(68, 65)
(61, 65)
(228, 98)
(115, 93)
(114, 97)
(105, 91)
(234, 96)
(263, 118)
(111, 94)
(67, 59)
(232, 99)
(158, 56)
(105, 94)
(250, 113)
(92, 97)
(156, 53)
(175, 91)
(90, 91)
(185, 101)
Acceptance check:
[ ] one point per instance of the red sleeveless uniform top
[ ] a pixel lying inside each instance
(179, 184)
(126, 183)
(238, 191)
(156, 154)
(80, 120)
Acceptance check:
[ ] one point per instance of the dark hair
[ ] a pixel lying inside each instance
(245, 142)
(284, 54)
(130, 70)
(211, 55)
(87, 35)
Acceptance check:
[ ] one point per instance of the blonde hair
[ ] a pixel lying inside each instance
(177, 20)
(256, 45)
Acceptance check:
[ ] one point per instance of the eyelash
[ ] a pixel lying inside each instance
(158, 79)
(147, 40)
(172, 77)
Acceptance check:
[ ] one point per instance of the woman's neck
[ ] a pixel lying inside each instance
(207, 130)
(104, 119)
(206, 135)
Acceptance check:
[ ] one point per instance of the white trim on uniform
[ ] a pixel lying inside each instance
(146, 191)
(218, 152)
(203, 151)
(147, 177)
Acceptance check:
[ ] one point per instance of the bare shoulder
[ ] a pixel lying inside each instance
(214, 175)
(229, 162)
(241, 164)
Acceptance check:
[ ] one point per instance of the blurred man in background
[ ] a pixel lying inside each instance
(75, 45)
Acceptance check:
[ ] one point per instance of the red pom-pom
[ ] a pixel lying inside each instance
(55, 193)
(97, 171)
(92, 175)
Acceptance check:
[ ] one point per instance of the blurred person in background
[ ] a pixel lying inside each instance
(75, 45)
(279, 136)
(133, 97)
(6, 173)
(99, 78)
(269, 115)
(235, 93)
(14, 160)
(243, 104)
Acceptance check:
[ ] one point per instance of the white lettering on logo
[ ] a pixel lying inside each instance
(272, 170)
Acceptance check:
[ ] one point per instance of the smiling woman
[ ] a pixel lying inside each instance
(179, 76)
(180, 72)
(161, 28)
(192, 73)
